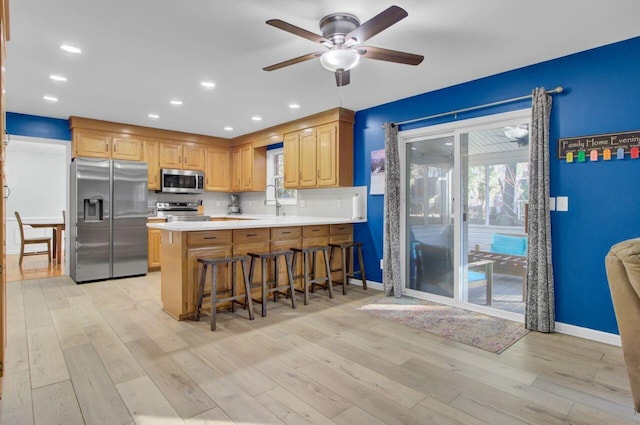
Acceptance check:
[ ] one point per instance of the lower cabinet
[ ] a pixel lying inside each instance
(180, 252)
(339, 233)
(154, 248)
(154, 245)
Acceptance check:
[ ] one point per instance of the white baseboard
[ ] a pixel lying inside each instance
(370, 284)
(586, 333)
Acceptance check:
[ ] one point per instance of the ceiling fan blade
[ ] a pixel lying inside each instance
(293, 61)
(342, 78)
(300, 32)
(390, 55)
(378, 23)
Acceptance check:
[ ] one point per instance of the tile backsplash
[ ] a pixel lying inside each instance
(331, 202)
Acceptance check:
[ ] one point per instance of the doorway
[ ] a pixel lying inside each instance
(465, 191)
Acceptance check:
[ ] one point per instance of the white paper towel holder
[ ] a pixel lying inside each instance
(355, 213)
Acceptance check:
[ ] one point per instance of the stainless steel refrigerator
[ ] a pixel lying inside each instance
(108, 219)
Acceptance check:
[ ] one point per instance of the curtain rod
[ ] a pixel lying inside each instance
(558, 89)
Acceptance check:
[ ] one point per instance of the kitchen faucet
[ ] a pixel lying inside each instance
(275, 195)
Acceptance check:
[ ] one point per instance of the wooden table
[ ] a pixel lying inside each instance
(58, 227)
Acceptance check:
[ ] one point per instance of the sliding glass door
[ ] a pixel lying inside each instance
(465, 190)
(429, 214)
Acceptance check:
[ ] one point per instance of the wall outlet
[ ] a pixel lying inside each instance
(562, 203)
(381, 263)
(217, 203)
(339, 203)
(249, 203)
(302, 203)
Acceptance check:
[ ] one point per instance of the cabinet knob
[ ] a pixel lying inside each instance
(115, 145)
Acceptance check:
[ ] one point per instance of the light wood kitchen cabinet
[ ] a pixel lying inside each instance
(308, 140)
(283, 239)
(291, 149)
(316, 236)
(95, 145)
(255, 241)
(180, 271)
(180, 251)
(151, 155)
(170, 155)
(217, 171)
(249, 168)
(154, 255)
(320, 156)
(193, 157)
(339, 233)
(182, 156)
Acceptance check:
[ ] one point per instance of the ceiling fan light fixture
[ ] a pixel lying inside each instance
(516, 132)
(339, 58)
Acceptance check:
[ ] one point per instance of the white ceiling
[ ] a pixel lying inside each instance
(137, 55)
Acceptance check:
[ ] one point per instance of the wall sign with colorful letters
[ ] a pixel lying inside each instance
(601, 146)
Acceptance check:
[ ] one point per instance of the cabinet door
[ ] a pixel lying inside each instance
(154, 248)
(170, 155)
(93, 146)
(129, 149)
(151, 155)
(246, 167)
(193, 274)
(236, 169)
(308, 158)
(326, 155)
(193, 157)
(257, 248)
(217, 169)
(291, 160)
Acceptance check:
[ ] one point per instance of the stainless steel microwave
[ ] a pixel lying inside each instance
(181, 181)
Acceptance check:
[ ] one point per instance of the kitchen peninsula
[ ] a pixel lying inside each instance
(183, 242)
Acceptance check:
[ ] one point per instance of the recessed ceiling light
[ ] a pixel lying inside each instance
(70, 49)
(176, 102)
(294, 105)
(449, 144)
(154, 116)
(208, 84)
(256, 118)
(228, 128)
(59, 78)
(50, 98)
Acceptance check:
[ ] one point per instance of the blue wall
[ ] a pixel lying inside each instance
(36, 126)
(602, 95)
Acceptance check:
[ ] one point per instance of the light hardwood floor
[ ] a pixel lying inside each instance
(105, 353)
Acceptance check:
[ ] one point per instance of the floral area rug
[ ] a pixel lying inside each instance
(476, 329)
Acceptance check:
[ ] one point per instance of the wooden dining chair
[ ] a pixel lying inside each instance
(31, 241)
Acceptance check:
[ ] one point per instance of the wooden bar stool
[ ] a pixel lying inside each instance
(347, 249)
(272, 286)
(234, 297)
(310, 278)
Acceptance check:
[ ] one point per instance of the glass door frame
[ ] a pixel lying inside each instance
(455, 129)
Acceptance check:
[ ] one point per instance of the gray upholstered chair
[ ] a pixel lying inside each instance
(623, 273)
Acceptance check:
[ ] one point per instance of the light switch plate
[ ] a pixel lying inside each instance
(562, 203)
(217, 203)
(339, 203)
(302, 203)
(381, 263)
(552, 203)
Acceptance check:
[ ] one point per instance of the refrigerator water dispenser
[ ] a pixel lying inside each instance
(93, 209)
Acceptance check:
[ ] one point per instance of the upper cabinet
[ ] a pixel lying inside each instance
(99, 145)
(182, 156)
(249, 168)
(319, 156)
(151, 155)
(217, 171)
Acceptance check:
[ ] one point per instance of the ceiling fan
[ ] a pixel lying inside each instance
(342, 35)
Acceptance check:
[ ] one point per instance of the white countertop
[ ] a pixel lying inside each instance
(250, 221)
